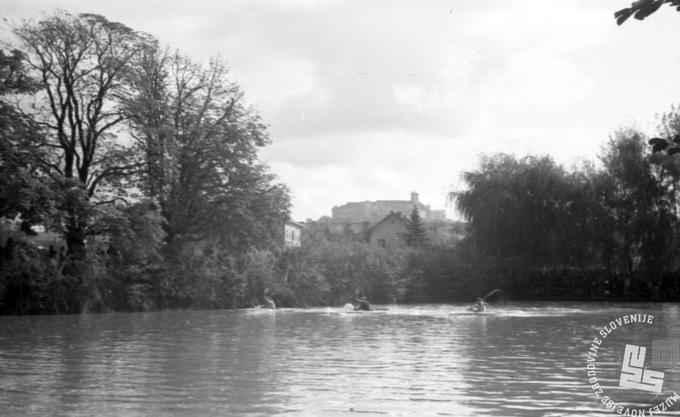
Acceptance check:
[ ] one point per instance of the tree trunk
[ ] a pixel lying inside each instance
(75, 238)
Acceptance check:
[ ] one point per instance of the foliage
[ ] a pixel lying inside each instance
(636, 203)
(443, 275)
(79, 64)
(528, 207)
(24, 273)
(200, 141)
(22, 194)
(532, 215)
(640, 9)
(416, 235)
(145, 163)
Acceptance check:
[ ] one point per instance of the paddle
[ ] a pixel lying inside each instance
(475, 307)
(490, 294)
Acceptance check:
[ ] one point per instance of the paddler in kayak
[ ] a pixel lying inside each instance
(363, 304)
(479, 306)
(269, 303)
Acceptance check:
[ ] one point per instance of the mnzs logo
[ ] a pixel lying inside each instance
(633, 374)
(665, 353)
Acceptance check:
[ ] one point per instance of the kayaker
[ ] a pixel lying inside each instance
(269, 302)
(480, 306)
(363, 304)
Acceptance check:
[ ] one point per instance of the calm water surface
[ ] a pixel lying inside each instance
(525, 359)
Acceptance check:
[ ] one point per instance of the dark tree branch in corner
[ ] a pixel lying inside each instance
(643, 8)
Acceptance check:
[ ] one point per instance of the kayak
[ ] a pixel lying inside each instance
(364, 312)
(259, 310)
(473, 313)
(373, 310)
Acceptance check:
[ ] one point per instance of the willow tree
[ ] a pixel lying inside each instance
(80, 63)
(201, 142)
(528, 208)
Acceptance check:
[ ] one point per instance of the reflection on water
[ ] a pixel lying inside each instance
(524, 359)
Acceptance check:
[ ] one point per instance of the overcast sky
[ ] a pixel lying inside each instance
(372, 100)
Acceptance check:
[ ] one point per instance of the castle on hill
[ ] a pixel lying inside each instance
(374, 211)
(383, 223)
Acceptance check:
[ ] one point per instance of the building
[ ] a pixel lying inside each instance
(389, 232)
(292, 234)
(374, 211)
(381, 222)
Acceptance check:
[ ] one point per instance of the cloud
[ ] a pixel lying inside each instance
(370, 166)
(363, 62)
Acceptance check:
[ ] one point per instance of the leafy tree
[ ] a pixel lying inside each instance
(80, 63)
(665, 154)
(667, 144)
(416, 235)
(134, 238)
(533, 212)
(21, 191)
(347, 232)
(302, 281)
(637, 204)
(14, 75)
(641, 9)
(200, 141)
(666, 165)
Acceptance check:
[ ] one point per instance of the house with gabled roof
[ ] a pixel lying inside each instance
(389, 232)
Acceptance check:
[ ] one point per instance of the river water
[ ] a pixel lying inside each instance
(523, 359)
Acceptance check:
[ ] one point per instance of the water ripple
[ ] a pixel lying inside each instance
(412, 361)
